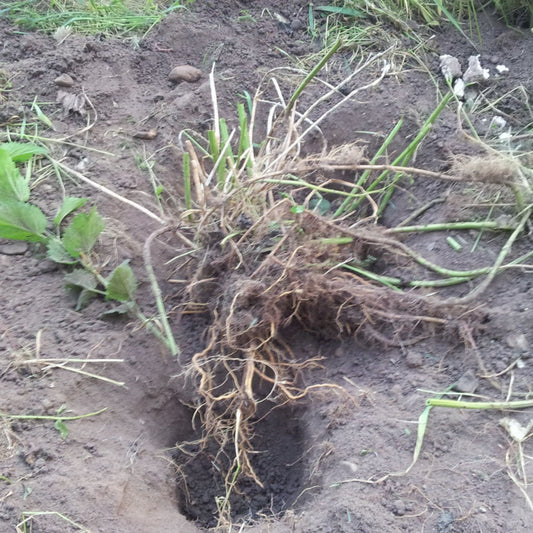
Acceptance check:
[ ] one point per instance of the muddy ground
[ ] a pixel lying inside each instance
(324, 460)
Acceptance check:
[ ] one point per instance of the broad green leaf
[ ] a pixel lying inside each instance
(320, 204)
(122, 284)
(69, 205)
(12, 184)
(84, 283)
(21, 152)
(84, 298)
(81, 279)
(81, 235)
(58, 254)
(122, 309)
(22, 222)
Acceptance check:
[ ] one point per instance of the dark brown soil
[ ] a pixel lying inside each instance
(323, 461)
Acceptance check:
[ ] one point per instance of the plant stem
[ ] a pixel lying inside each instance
(51, 417)
(147, 256)
(318, 67)
(458, 404)
(445, 226)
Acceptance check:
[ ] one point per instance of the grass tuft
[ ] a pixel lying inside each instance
(118, 17)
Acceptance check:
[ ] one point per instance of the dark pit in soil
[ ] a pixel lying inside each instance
(278, 461)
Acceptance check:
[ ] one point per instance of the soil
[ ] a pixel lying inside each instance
(329, 463)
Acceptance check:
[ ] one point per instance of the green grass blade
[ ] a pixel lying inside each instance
(187, 180)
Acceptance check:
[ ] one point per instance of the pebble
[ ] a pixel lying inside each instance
(467, 383)
(297, 24)
(64, 80)
(185, 73)
(14, 248)
(148, 134)
(517, 341)
(414, 359)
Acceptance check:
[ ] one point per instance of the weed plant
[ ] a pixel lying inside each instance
(71, 245)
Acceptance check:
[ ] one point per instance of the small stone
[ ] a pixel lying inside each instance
(517, 341)
(64, 81)
(398, 507)
(297, 24)
(349, 466)
(185, 73)
(148, 134)
(414, 359)
(14, 248)
(467, 383)
(450, 67)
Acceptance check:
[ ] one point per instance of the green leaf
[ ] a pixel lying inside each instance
(22, 222)
(122, 284)
(81, 279)
(61, 427)
(121, 309)
(69, 205)
(21, 152)
(84, 298)
(41, 116)
(320, 204)
(84, 282)
(81, 235)
(347, 11)
(297, 209)
(57, 252)
(12, 184)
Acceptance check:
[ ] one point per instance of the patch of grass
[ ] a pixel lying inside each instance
(360, 22)
(115, 17)
(515, 12)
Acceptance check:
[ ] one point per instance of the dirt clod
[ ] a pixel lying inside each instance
(185, 73)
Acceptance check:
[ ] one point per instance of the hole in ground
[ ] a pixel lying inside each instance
(279, 441)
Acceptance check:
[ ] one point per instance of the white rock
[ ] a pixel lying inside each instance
(450, 67)
(459, 88)
(498, 123)
(475, 73)
(501, 69)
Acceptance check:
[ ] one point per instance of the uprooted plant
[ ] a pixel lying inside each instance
(272, 239)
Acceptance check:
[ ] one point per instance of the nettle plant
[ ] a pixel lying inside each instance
(70, 245)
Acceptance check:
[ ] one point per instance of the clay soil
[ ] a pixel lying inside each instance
(324, 461)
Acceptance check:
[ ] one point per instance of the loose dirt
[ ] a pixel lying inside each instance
(330, 462)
